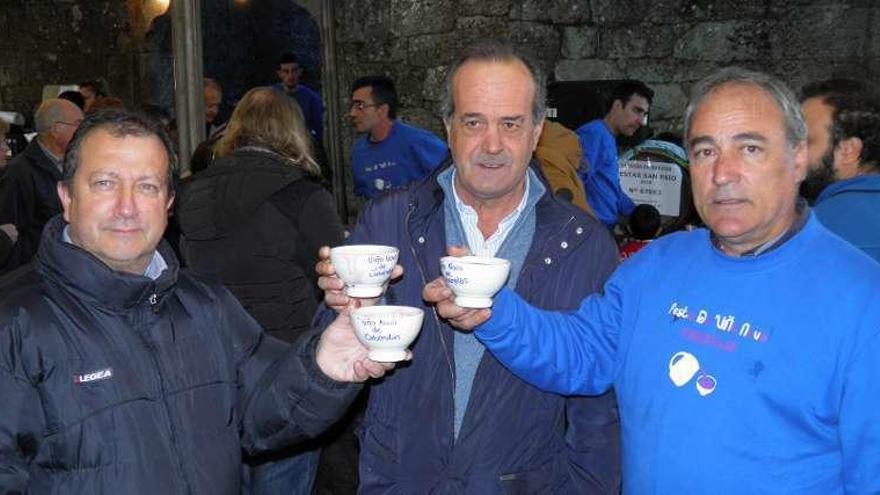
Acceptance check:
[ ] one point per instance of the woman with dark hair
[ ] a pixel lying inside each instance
(255, 220)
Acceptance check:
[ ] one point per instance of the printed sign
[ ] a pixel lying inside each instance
(652, 182)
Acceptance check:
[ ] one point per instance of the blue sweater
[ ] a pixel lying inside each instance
(851, 209)
(407, 154)
(777, 391)
(601, 172)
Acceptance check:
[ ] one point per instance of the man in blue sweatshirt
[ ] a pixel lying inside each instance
(744, 357)
(390, 153)
(844, 155)
(630, 103)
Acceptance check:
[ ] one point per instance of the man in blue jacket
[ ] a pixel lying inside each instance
(454, 420)
(119, 373)
(744, 357)
(845, 156)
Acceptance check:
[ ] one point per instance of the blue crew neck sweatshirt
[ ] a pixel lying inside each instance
(733, 375)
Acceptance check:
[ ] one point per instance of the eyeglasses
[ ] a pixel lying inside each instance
(360, 105)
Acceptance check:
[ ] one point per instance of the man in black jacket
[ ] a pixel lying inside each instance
(27, 188)
(121, 374)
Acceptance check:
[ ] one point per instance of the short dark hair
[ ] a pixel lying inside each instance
(644, 222)
(119, 123)
(382, 89)
(95, 85)
(627, 88)
(832, 87)
(496, 51)
(74, 97)
(858, 116)
(288, 58)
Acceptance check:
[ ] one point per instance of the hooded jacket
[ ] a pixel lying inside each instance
(255, 222)
(115, 383)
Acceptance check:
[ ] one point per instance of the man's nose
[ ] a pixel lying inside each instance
(125, 203)
(727, 169)
(492, 140)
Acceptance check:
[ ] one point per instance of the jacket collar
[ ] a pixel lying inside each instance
(77, 271)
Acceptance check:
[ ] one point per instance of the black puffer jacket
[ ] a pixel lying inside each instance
(255, 222)
(112, 383)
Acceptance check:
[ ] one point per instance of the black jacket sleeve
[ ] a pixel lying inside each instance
(283, 395)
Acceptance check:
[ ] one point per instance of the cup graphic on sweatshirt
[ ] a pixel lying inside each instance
(682, 367)
(706, 384)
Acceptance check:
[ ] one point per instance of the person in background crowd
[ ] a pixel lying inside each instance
(289, 73)
(644, 225)
(600, 173)
(559, 153)
(8, 231)
(121, 373)
(213, 100)
(91, 90)
(254, 221)
(734, 343)
(845, 160)
(817, 113)
(454, 420)
(28, 198)
(390, 153)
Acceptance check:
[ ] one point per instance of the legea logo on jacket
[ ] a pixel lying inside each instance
(93, 376)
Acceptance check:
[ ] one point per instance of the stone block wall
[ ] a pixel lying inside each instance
(62, 42)
(669, 44)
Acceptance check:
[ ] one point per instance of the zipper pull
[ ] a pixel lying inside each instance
(153, 299)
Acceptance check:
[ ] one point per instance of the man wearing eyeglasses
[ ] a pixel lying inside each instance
(390, 154)
(28, 197)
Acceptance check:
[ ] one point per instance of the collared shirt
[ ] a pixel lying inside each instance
(155, 268)
(803, 214)
(479, 245)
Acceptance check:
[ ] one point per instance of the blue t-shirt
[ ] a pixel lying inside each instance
(733, 374)
(600, 172)
(407, 154)
(309, 102)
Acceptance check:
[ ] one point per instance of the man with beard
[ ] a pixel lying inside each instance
(817, 113)
(843, 121)
(630, 102)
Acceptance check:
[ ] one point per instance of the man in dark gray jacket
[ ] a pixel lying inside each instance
(121, 374)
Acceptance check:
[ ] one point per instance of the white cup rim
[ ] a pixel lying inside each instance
(476, 260)
(364, 249)
(372, 311)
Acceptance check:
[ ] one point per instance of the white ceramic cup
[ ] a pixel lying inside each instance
(474, 279)
(387, 331)
(364, 268)
(682, 367)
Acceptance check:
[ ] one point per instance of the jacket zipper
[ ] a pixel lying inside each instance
(172, 431)
(424, 276)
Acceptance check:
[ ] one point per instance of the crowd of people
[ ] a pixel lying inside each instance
(168, 334)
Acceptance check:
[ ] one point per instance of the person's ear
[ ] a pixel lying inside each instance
(847, 157)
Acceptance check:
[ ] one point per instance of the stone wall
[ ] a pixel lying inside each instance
(669, 44)
(62, 42)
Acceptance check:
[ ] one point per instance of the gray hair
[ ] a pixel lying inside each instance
(48, 113)
(493, 51)
(795, 126)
